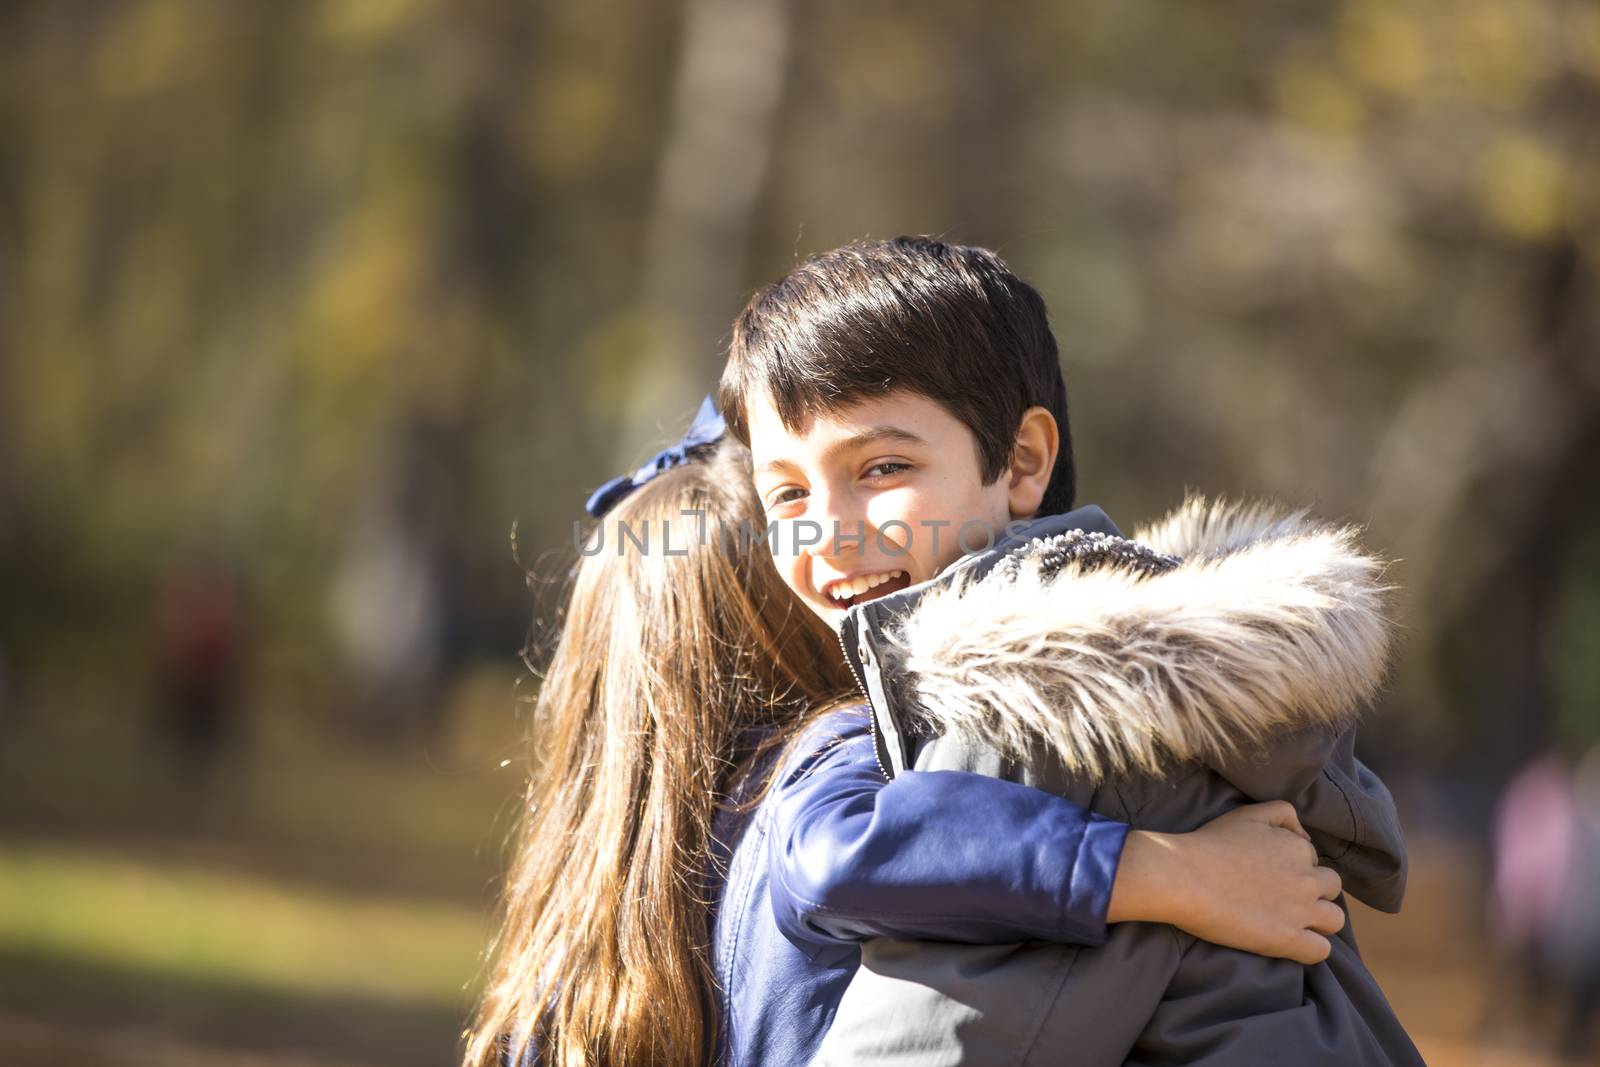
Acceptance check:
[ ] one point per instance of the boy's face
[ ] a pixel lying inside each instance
(871, 498)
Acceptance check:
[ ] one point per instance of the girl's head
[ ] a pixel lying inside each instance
(680, 582)
(668, 662)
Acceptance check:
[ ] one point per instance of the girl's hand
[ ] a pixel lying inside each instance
(1248, 880)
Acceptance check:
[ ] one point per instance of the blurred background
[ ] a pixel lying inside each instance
(304, 306)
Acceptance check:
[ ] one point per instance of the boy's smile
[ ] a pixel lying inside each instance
(861, 588)
(871, 498)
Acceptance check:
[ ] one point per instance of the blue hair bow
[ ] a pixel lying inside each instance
(707, 427)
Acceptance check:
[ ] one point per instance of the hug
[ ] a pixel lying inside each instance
(870, 792)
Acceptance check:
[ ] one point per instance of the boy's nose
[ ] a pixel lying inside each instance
(841, 528)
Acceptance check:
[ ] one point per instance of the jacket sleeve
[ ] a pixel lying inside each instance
(931, 855)
(1346, 809)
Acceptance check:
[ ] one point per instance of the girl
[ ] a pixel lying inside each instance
(689, 697)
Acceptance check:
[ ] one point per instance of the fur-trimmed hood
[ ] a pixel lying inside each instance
(1232, 624)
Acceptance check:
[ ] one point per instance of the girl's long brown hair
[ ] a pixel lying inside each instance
(664, 663)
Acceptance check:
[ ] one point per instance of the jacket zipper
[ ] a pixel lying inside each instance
(878, 742)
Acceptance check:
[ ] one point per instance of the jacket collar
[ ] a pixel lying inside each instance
(1265, 623)
(865, 625)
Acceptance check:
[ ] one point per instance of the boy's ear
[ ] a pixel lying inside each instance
(1033, 460)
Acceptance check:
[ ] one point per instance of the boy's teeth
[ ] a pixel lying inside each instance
(857, 586)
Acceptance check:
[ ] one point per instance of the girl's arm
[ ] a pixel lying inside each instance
(953, 856)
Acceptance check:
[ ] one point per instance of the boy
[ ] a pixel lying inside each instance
(904, 407)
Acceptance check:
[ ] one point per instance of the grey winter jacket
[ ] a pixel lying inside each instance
(1221, 663)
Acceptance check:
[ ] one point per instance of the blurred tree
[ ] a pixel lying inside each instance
(730, 77)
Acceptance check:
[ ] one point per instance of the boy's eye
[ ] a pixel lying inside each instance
(784, 496)
(886, 468)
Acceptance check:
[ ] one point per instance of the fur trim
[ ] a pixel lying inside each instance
(1269, 623)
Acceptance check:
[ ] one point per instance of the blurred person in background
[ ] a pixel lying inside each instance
(386, 614)
(1574, 952)
(1544, 907)
(199, 633)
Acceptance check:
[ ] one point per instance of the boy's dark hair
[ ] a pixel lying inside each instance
(948, 322)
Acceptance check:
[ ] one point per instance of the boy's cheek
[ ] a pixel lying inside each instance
(830, 618)
(787, 570)
(789, 538)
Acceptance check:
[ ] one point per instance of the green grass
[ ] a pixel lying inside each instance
(323, 897)
(207, 926)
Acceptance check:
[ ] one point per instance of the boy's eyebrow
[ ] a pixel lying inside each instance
(865, 437)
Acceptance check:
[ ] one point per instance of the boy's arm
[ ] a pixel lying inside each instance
(935, 855)
(956, 856)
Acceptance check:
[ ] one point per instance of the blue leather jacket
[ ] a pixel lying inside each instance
(835, 854)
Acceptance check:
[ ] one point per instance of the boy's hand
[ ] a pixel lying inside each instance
(1248, 880)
